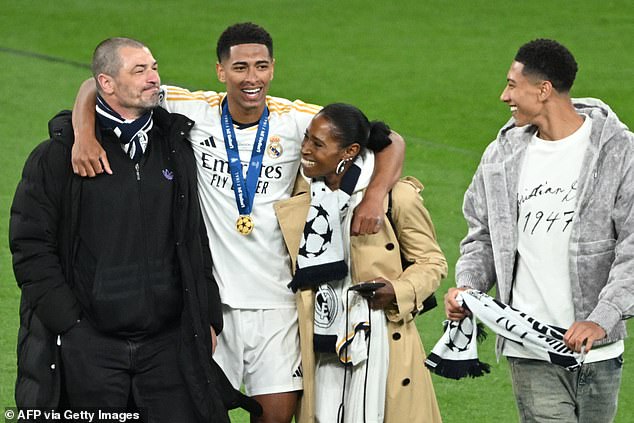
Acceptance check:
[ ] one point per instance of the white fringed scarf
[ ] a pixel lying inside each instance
(455, 355)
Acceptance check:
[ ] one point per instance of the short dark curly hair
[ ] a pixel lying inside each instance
(242, 33)
(548, 60)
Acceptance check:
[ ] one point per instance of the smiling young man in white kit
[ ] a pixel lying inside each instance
(262, 136)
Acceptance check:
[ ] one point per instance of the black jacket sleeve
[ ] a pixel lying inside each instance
(34, 229)
(215, 305)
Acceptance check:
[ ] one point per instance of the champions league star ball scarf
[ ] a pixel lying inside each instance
(321, 262)
(321, 257)
(344, 326)
(132, 133)
(455, 355)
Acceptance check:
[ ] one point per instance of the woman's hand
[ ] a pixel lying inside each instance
(382, 297)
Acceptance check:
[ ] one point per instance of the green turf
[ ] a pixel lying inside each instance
(432, 69)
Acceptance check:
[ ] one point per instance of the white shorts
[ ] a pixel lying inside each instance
(260, 349)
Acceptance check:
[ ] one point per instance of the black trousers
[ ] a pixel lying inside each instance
(106, 372)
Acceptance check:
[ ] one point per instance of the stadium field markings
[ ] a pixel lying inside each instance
(45, 57)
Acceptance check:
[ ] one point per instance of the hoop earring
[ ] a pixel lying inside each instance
(341, 166)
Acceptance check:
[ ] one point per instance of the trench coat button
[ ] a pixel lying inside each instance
(405, 381)
(195, 335)
(178, 243)
(389, 246)
(182, 133)
(396, 336)
(53, 366)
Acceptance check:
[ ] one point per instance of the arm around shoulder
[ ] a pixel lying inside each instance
(89, 158)
(388, 165)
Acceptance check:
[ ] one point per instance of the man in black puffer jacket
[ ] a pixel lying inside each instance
(118, 303)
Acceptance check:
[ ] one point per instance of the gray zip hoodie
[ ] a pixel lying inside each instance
(601, 250)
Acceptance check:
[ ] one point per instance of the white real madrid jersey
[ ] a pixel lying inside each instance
(252, 271)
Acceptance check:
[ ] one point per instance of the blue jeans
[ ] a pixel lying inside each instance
(549, 393)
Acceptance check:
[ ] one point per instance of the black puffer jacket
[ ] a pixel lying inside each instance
(42, 236)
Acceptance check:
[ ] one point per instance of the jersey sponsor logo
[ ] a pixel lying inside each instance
(220, 173)
(222, 166)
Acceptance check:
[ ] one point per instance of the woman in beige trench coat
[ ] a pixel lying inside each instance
(327, 155)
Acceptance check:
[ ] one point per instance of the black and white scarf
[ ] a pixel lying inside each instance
(455, 355)
(321, 256)
(133, 134)
(322, 259)
(344, 326)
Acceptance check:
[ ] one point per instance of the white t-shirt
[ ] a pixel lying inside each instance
(252, 271)
(546, 204)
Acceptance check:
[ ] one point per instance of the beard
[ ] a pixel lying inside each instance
(148, 100)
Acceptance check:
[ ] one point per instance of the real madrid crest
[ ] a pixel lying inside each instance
(244, 224)
(325, 306)
(274, 147)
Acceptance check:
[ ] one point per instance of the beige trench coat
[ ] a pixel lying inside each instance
(410, 395)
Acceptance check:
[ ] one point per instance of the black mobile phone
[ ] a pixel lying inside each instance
(367, 287)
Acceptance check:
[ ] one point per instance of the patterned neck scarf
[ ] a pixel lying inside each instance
(455, 355)
(133, 134)
(321, 256)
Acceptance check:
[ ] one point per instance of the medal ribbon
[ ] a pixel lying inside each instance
(244, 191)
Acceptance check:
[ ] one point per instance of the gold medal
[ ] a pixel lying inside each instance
(244, 224)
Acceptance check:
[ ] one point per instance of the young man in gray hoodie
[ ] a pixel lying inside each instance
(551, 223)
